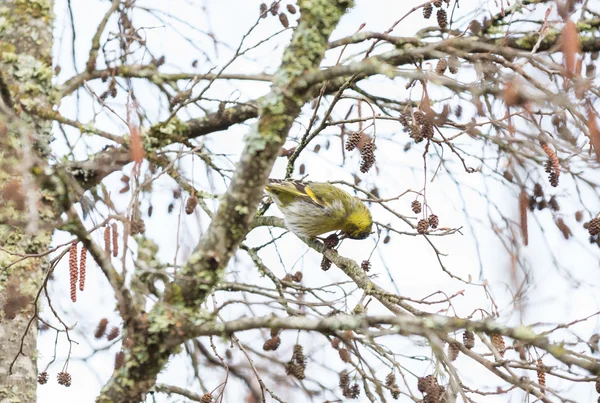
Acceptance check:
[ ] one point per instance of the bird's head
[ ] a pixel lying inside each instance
(359, 223)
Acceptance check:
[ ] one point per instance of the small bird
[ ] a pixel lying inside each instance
(314, 208)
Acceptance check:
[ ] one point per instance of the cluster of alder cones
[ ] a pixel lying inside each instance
(273, 9)
(424, 224)
(366, 145)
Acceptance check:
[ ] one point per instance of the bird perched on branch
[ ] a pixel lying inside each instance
(314, 208)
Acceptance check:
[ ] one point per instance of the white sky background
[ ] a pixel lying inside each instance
(413, 265)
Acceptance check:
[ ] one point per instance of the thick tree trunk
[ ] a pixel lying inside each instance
(26, 72)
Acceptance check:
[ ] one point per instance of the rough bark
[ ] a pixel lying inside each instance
(26, 72)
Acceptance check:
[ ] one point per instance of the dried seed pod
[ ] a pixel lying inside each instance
(365, 265)
(294, 369)
(113, 334)
(291, 9)
(101, 328)
(107, 241)
(442, 18)
(115, 240)
(297, 277)
(353, 141)
(344, 380)
(427, 131)
(138, 226)
(405, 119)
(427, 384)
(82, 268)
(538, 191)
(415, 206)
(325, 264)
(272, 344)
(354, 391)
(64, 378)
(594, 226)
(43, 378)
(598, 385)
(453, 351)
(468, 339)
(344, 354)
(440, 67)
(415, 133)
(420, 118)
(335, 343)
(206, 398)
(433, 221)
(73, 271)
(367, 154)
(427, 11)
(437, 3)
(498, 342)
(579, 216)
(191, 204)
(422, 226)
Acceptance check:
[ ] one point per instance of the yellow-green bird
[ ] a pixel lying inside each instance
(314, 208)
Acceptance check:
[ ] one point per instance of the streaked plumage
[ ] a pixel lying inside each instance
(314, 208)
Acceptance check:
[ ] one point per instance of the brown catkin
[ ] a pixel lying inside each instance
(440, 67)
(263, 10)
(344, 354)
(427, 11)
(553, 165)
(119, 359)
(291, 9)
(283, 19)
(468, 339)
(107, 241)
(115, 239)
(540, 373)
(498, 342)
(101, 328)
(82, 267)
(113, 334)
(73, 271)
(523, 204)
(191, 204)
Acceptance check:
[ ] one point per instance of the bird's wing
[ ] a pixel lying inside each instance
(288, 190)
